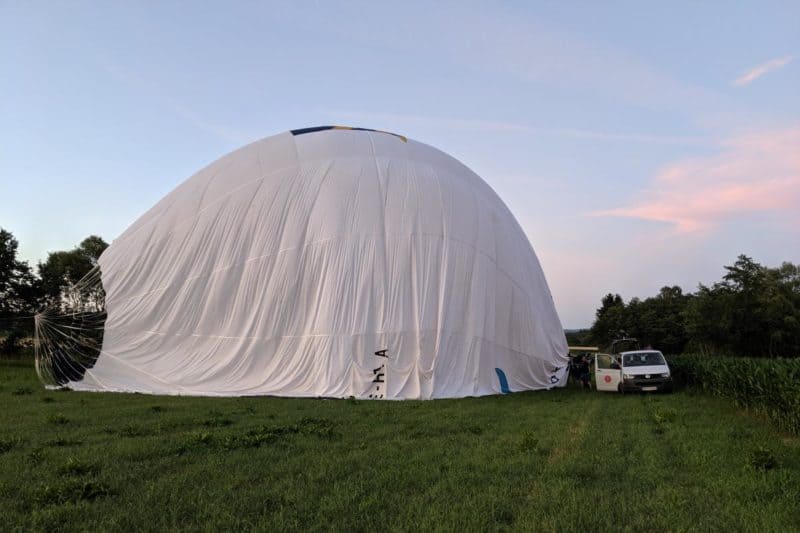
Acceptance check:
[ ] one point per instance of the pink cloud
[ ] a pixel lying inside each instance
(752, 174)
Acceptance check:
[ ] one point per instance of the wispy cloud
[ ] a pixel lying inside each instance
(758, 71)
(752, 174)
(509, 42)
(390, 120)
(153, 90)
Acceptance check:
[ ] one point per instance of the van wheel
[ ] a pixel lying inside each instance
(620, 389)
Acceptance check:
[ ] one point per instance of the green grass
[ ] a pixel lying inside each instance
(559, 460)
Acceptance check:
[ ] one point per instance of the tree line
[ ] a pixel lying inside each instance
(25, 291)
(754, 311)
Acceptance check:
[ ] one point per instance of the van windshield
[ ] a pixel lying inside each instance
(643, 359)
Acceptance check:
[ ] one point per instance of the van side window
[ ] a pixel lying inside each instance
(604, 361)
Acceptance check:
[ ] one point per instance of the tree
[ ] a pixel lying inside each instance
(63, 269)
(92, 247)
(610, 320)
(661, 320)
(17, 294)
(657, 321)
(578, 337)
(753, 310)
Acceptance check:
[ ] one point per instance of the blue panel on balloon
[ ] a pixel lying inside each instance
(503, 381)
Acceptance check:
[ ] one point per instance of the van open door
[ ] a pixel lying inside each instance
(606, 372)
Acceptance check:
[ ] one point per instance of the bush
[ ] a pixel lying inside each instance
(11, 344)
(771, 386)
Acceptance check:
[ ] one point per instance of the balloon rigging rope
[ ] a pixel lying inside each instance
(68, 333)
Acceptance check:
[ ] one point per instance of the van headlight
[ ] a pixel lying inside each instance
(627, 376)
(665, 375)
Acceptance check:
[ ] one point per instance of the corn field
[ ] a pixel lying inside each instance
(771, 386)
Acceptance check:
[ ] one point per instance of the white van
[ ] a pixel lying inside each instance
(633, 371)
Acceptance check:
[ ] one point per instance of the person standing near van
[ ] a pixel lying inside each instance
(583, 371)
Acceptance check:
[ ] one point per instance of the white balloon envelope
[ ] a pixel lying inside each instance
(328, 262)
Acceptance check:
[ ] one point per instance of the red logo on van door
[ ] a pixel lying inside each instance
(607, 379)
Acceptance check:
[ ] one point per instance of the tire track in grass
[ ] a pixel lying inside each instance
(571, 441)
(653, 462)
(542, 508)
(574, 436)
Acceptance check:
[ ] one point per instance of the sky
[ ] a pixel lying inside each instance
(639, 144)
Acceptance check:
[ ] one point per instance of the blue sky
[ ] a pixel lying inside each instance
(638, 145)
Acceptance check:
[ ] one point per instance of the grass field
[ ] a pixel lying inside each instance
(558, 460)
